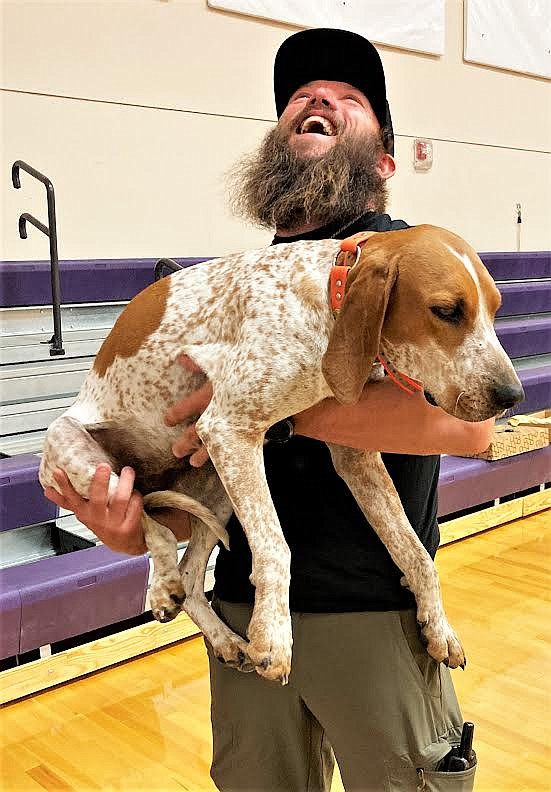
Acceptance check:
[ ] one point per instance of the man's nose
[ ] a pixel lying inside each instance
(321, 97)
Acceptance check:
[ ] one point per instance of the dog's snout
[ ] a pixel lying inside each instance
(508, 394)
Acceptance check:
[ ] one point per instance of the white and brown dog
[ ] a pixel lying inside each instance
(261, 325)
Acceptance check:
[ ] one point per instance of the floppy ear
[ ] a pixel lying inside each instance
(354, 342)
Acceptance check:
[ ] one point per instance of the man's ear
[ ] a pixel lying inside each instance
(386, 166)
(354, 342)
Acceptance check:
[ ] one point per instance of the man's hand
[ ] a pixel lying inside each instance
(189, 443)
(117, 523)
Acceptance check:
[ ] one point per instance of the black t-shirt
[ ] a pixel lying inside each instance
(338, 563)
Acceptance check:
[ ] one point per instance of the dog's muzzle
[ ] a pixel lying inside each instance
(505, 396)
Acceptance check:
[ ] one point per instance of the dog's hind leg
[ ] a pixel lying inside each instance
(68, 445)
(228, 647)
(203, 483)
(167, 593)
(199, 492)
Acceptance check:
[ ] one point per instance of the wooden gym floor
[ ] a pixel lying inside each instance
(144, 725)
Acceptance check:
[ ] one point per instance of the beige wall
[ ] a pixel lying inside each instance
(137, 109)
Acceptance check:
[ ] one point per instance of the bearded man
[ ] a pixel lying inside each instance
(362, 688)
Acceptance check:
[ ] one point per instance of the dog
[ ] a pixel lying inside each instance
(274, 338)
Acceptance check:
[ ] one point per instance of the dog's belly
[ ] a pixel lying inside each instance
(155, 465)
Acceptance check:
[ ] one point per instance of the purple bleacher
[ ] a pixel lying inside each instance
(10, 612)
(518, 266)
(67, 595)
(537, 388)
(22, 500)
(468, 482)
(525, 337)
(532, 297)
(28, 282)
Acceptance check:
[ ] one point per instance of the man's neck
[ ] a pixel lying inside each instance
(298, 230)
(305, 229)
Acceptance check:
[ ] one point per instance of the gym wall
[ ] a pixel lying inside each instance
(136, 110)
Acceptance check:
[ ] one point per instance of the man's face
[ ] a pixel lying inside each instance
(324, 162)
(320, 112)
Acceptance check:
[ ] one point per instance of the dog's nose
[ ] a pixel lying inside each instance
(507, 395)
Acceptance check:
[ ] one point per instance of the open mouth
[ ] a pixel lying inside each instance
(316, 125)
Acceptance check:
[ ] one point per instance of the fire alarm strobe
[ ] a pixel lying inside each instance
(422, 154)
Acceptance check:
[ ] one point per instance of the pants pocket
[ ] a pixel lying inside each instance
(434, 781)
(426, 671)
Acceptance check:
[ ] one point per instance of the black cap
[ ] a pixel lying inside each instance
(332, 54)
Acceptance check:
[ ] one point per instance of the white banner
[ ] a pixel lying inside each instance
(409, 24)
(512, 35)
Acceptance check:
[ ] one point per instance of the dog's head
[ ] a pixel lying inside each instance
(423, 298)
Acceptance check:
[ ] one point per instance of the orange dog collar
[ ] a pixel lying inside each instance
(351, 247)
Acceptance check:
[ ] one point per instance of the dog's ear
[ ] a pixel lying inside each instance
(354, 342)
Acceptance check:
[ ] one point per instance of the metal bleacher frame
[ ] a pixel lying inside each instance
(69, 605)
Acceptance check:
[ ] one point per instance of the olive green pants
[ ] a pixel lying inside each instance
(362, 690)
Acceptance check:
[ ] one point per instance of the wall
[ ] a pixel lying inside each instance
(136, 110)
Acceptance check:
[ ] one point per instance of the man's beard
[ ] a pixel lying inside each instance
(274, 188)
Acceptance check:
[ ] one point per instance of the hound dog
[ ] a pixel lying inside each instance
(262, 326)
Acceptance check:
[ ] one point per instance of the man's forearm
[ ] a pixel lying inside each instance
(389, 420)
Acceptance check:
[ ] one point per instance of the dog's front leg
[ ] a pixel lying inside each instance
(374, 491)
(238, 459)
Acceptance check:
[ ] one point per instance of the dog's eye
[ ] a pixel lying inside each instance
(452, 314)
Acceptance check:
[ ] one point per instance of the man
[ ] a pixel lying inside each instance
(362, 686)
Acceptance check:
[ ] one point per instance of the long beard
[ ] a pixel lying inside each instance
(273, 188)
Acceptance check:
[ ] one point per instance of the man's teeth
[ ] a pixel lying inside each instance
(317, 124)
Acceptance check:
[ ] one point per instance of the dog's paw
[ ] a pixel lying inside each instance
(441, 641)
(271, 649)
(273, 663)
(167, 598)
(234, 653)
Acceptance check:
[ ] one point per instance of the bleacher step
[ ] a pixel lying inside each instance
(532, 297)
(468, 482)
(525, 337)
(524, 265)
(25, 382)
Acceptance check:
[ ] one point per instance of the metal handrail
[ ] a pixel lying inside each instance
(166, 263)
(50, 231)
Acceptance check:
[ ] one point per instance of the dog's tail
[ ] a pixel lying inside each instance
(177, 500)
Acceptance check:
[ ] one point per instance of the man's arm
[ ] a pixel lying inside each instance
(384, 419)
(389, 420)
